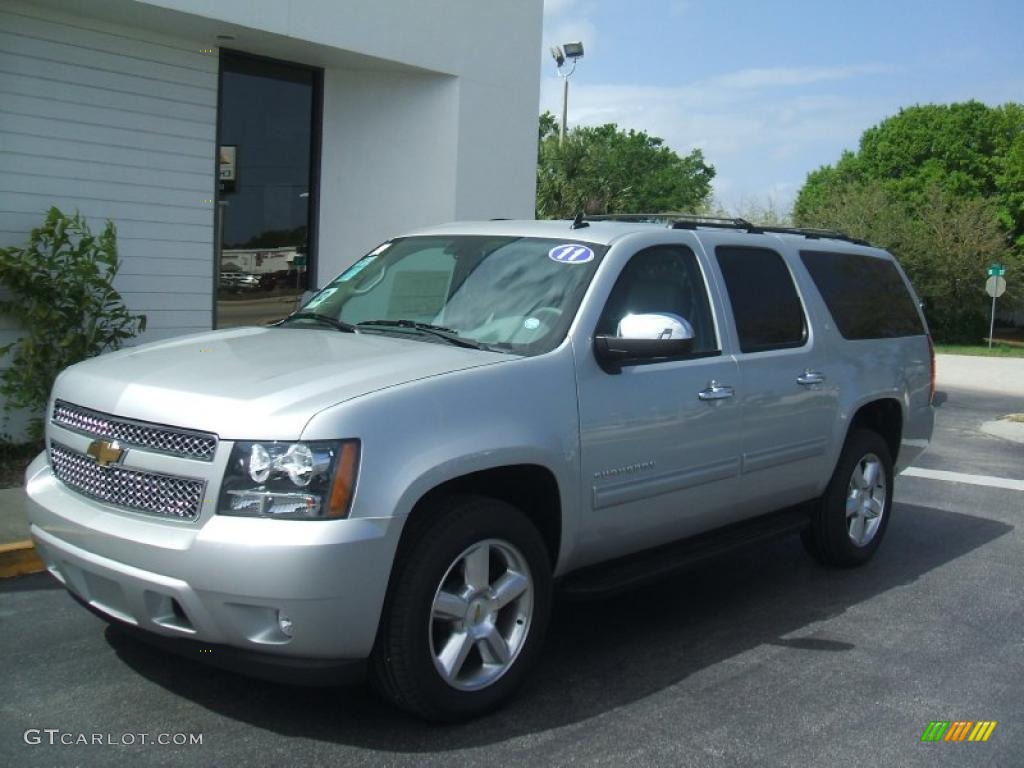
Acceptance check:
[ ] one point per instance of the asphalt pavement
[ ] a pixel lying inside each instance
(760, 658)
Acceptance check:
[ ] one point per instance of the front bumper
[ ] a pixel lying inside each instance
(227, 581)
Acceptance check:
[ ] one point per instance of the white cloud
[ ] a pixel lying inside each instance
(680, 7)
(782, 77)
(556, 7)
(751, 123)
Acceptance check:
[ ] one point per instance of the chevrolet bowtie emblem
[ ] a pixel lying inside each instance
(105, 452)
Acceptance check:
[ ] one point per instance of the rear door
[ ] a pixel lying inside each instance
(788, 403)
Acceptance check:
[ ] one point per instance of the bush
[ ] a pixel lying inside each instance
(60, 288)
(956, 325)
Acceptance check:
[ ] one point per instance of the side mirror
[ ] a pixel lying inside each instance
(644, 338)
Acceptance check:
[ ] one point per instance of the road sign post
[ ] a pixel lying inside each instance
(995, 287)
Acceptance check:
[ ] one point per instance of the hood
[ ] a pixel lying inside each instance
(255, 383)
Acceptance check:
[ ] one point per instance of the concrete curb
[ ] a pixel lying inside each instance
(992, 375)
(19, 558)
(1007, 430)
(17, 555)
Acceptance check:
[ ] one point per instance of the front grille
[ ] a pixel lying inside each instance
(176, 497)
(153, 437)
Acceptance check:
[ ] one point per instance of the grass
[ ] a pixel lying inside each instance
(999, 349)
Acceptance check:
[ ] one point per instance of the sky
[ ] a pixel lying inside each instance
(770, 91)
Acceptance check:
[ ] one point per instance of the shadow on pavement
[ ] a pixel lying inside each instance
(604, 654)
(30, 583)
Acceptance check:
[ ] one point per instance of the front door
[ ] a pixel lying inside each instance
(658, 461)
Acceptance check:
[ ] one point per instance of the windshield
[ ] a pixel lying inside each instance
(511, 294)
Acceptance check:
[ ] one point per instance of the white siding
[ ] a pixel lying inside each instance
(115, 123)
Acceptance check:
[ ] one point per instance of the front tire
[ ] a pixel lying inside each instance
(466, 612)
(850, 519)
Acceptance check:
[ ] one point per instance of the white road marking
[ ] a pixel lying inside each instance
(959, 477)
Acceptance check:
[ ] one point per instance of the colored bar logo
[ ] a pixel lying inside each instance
(958, 730)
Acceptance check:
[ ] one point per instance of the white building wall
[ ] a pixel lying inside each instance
(388, 161)
(401, 148)
(110, 108)
(119, 124)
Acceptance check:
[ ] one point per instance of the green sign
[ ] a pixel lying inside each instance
(996, 270)
(299, 260)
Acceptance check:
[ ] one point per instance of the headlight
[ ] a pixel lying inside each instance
(314, 479)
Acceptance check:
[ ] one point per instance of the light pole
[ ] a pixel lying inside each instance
(567, 52)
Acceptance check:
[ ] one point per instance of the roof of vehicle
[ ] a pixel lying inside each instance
(604, 230)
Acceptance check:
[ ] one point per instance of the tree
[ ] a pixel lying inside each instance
(942, 187)
(603, 169)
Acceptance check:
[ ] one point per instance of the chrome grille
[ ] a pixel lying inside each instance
(176, 497)
(153, 437)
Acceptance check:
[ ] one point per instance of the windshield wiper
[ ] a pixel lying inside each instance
(340, 325)
(448, 334)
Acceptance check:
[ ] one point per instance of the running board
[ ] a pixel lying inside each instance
(626, 573)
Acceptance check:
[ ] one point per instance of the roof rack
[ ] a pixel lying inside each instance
(696, 221)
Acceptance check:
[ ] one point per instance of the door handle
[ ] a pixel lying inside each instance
(809, 378)
(715, 391)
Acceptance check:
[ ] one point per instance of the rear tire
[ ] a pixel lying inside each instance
(850, 519)
(467, 610)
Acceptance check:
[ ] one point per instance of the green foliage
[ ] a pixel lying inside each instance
(945, 242)
(60, 288)
(942, 187)
(604, 169)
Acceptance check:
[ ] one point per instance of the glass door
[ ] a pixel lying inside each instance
(268, 135)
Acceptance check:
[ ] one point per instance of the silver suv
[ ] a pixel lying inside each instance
(398, 475)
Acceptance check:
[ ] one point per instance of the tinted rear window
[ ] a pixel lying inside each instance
(866, 295)
(764, 300)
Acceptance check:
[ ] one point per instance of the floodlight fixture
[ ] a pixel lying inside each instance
(566, 52)
(573, 50)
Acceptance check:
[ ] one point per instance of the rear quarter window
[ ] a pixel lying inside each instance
(866, 295)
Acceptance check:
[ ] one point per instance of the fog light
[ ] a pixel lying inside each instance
(284, 623)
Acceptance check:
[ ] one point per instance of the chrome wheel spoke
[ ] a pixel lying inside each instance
(852, 506)
(857, 529)
(493, 648)
(454, 654)
(871, 471)
(874, 509)
(477, 567)
(857, 481)
(450, 606)
(506, 589)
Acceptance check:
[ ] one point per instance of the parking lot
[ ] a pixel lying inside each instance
(761, 658)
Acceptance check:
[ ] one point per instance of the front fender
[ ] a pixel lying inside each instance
(419, 435)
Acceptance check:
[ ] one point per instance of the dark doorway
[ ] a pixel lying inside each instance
(269, 144)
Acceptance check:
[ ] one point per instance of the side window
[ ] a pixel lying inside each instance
(764, 300)
(865, 295)
(665, 278)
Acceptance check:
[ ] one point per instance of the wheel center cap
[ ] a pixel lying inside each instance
(477, 613)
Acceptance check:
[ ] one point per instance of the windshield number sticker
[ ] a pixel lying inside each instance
(571, 253)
